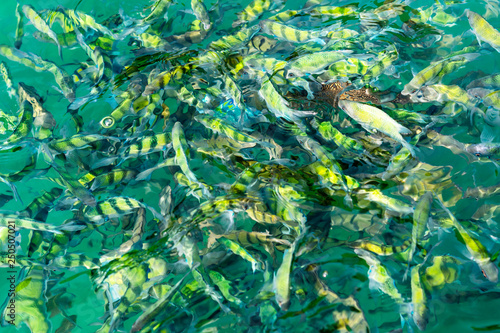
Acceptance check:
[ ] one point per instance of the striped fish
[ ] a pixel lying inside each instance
(291, 34)
(253, 11)
(379, 249)
(163, 79)
(72, 260)
(28, 223)
(112, 208)
(76, 142)
(4, 71)
(145, 145)
(41, 25)
(23, 127)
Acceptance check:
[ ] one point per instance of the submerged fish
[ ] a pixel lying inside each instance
(374, 119)
(483, 30)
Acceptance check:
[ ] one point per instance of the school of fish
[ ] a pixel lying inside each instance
(261, 166)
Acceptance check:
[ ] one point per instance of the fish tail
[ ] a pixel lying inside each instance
(409, 147)
(143, 175)
(59, 50)
(473, 112)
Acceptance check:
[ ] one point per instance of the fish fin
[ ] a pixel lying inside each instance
(72, 227)
(59, 50)
(405, 131)
(145, 174)
(303, 113)
(348, 201)
(488, 134)
(409, 147)
(319, 41)
(104, 162)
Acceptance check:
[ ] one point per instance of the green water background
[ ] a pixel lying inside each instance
(478, 311)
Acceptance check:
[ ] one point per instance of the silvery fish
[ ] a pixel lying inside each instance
(374, 119)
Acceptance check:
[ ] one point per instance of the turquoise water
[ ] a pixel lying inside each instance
(177, 179)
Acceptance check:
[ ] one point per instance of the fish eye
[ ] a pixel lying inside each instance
(107, 122)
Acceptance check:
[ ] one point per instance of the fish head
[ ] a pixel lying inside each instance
(292, 73)
(420, 319)
(481, 150)
(107, 122)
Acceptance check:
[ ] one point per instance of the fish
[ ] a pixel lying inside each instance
(227, 42)
(314, 63)
(326, 159)
(28, 223)
(41, 202)
(292, 34)
(117, 114)
(158, 11)
(164, 78)
(281, 281)
(384, 60)
(145, 145)
(7, 79)
(74, 186)
(332, 11)
(376, 120)
(240, 251)
(111, 207)
(100, 59)
(483, 30)
(486, 149)
(278, 105)
(30, 294)
(436, 71)
(379, 276)
(390, 203)
(225, 128)
(224, 286)
(41, 116)
(476, 249)
(488, 81)
(134, 242)
(182, 151)
(40, 65)
(331, 134)
(114, 177)
(379, 249)
(234, 92)
(76, 142)
(444, 270)
(86, 22)
(198, 189)
(19, 27)
(420, 311)
(31, 14)
(154, 309)
(253, 11)
(201, 13)
(144, 174)
(71, 260)
(420, 219)
(23, 127)
(349, 320)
